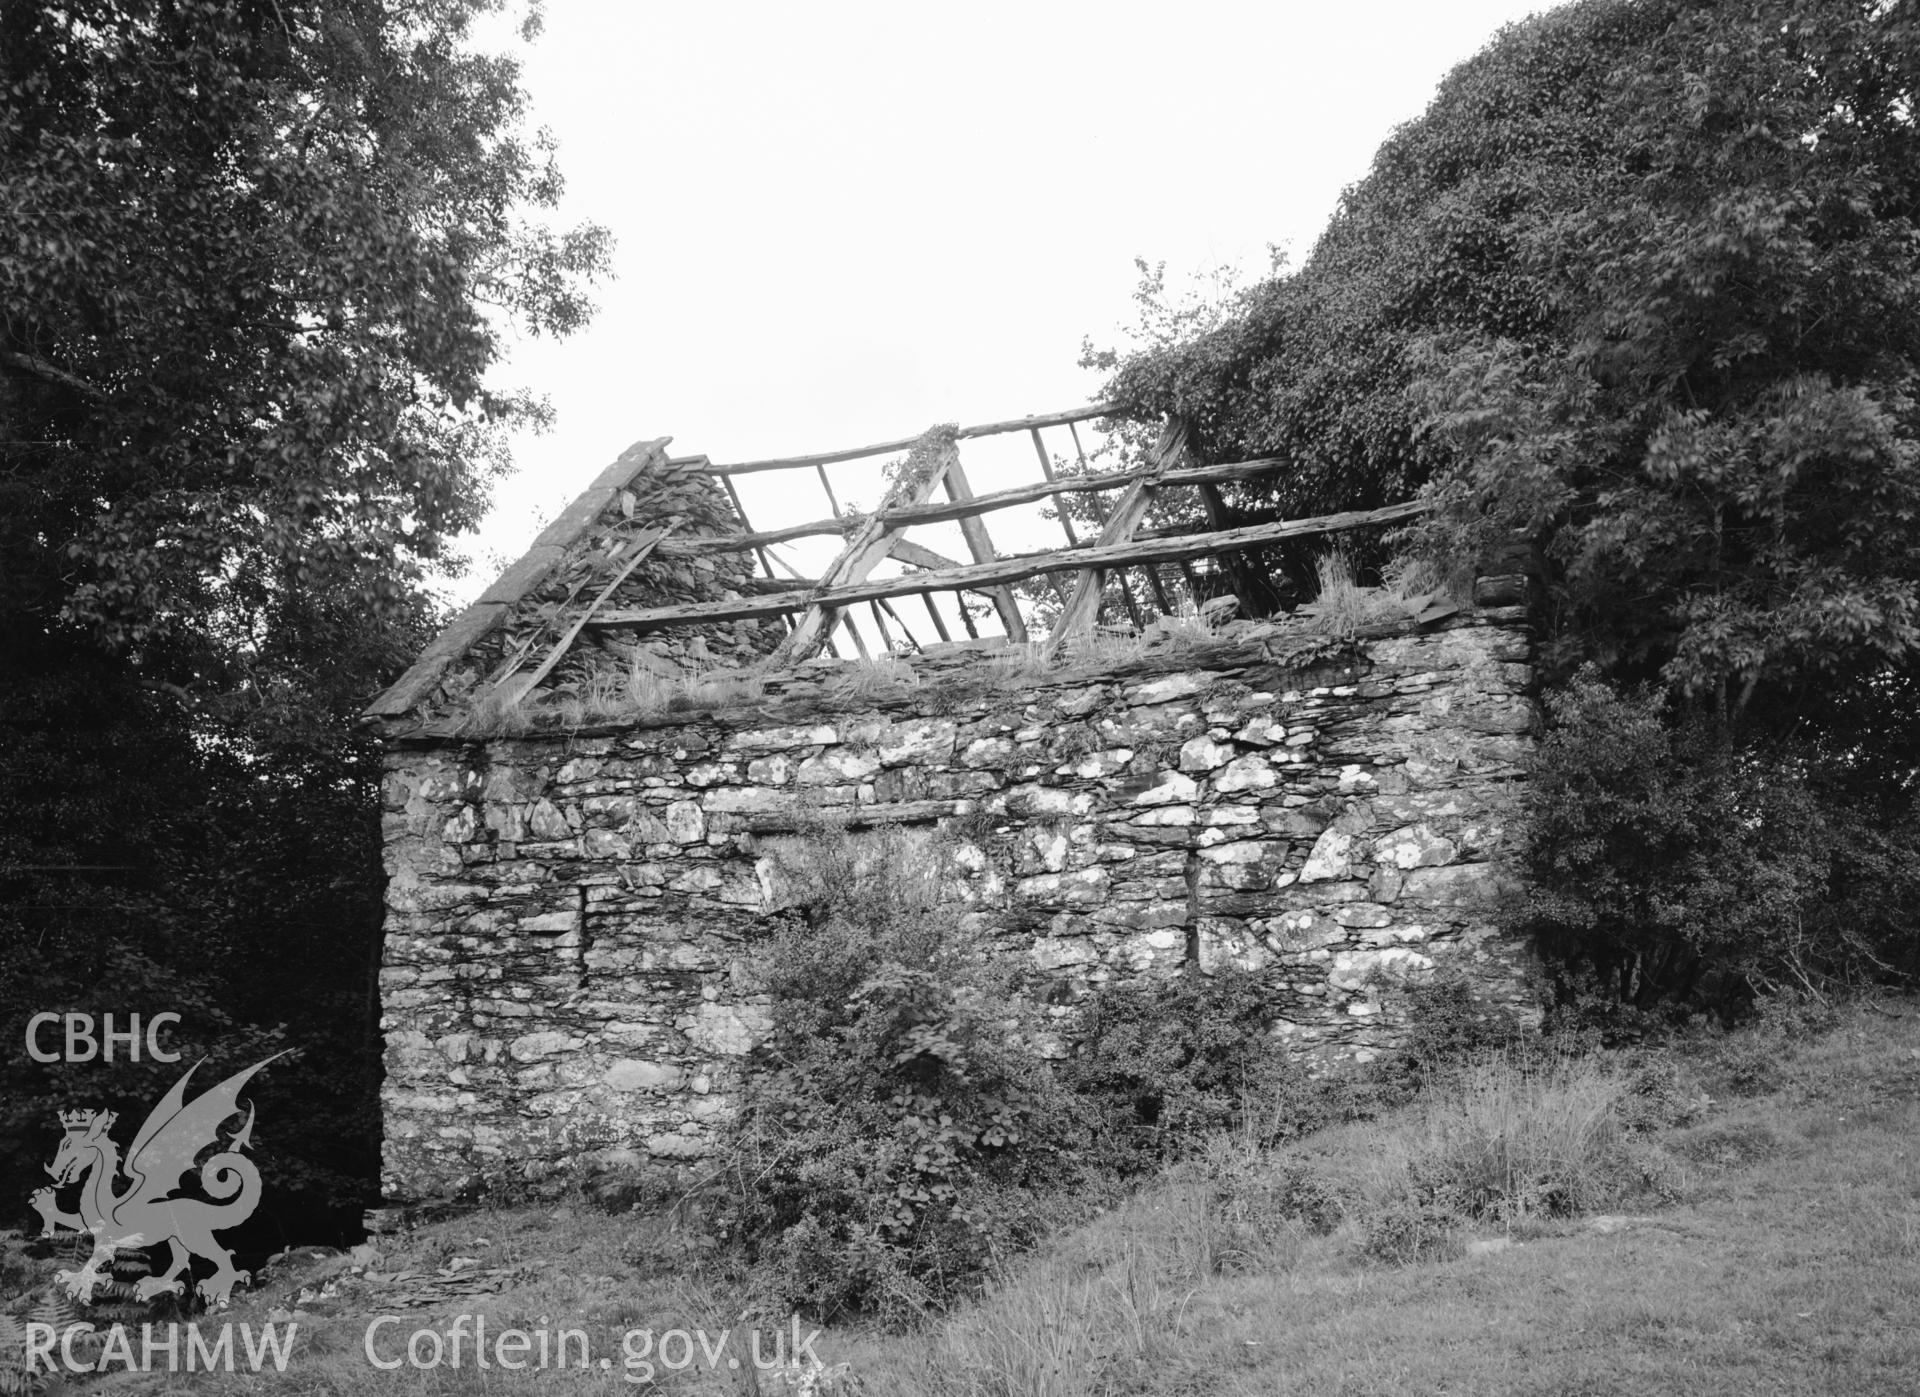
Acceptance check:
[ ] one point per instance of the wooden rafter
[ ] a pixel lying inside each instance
(886, 607)
(833, 500)
(933, 613)
(1167, 548)
(746, 524)
(1246, 589)
(859, 643)
(1160, 597)
(642, 545)
(880, 625)
(871, 542)
(980, 546)
(1083, 607)
(491, 607)
(1059, 505)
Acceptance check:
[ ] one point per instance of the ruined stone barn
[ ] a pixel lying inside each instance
(1147, 765)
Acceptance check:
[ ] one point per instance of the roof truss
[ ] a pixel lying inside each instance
(814, 609)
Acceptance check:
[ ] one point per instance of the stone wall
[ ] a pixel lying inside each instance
(567, 980)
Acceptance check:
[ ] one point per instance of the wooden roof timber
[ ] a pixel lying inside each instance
(980, 549)
(491, 607)
(914, 555)
(1083, 607)
(1183, 548)
(984, 429)
(872, 538)
(869, 544)
(940, 512)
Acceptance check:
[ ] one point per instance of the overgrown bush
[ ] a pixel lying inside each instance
(1260, 1199)
(1450, 1022)
(1408, 1228)
(897, 1134)
(1163, 1062)
(1666, 864)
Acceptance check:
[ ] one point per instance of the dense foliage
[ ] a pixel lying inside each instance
(902, 1133)
(1666, 863)
(260, 258)
(1641, 279)
(1640, 286)
(1167, 1062)
(898, 1133)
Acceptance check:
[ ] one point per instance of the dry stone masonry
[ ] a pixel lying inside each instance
(568, 979)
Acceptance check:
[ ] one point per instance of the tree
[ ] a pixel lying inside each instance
(260, 259)
(1641, 286)
(1641, 281)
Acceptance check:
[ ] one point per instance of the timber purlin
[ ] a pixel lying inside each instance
(1178, 548)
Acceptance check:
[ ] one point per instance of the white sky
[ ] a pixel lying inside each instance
(839, 223)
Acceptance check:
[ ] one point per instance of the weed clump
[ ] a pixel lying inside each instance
(1344, 607)
(859, 683)
(1515, 1140)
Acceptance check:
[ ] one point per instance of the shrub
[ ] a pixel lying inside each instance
(1658, 1095)
(1262, 1198)
(1666, 864)
(896, 1135)
(1450, 1023)
(1502, 1139)
(1293, 1102)
(1758, 1058)
(1408, 1228)
(1165, 1061)
(1732, 1145)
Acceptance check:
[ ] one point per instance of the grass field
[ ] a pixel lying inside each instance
(1761, 1235)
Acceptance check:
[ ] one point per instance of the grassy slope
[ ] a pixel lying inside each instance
(1790, 1264)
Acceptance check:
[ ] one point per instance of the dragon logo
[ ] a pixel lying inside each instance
(144, 1213)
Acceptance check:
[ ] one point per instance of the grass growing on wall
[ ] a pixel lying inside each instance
(1343, 607)
(643, 692)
